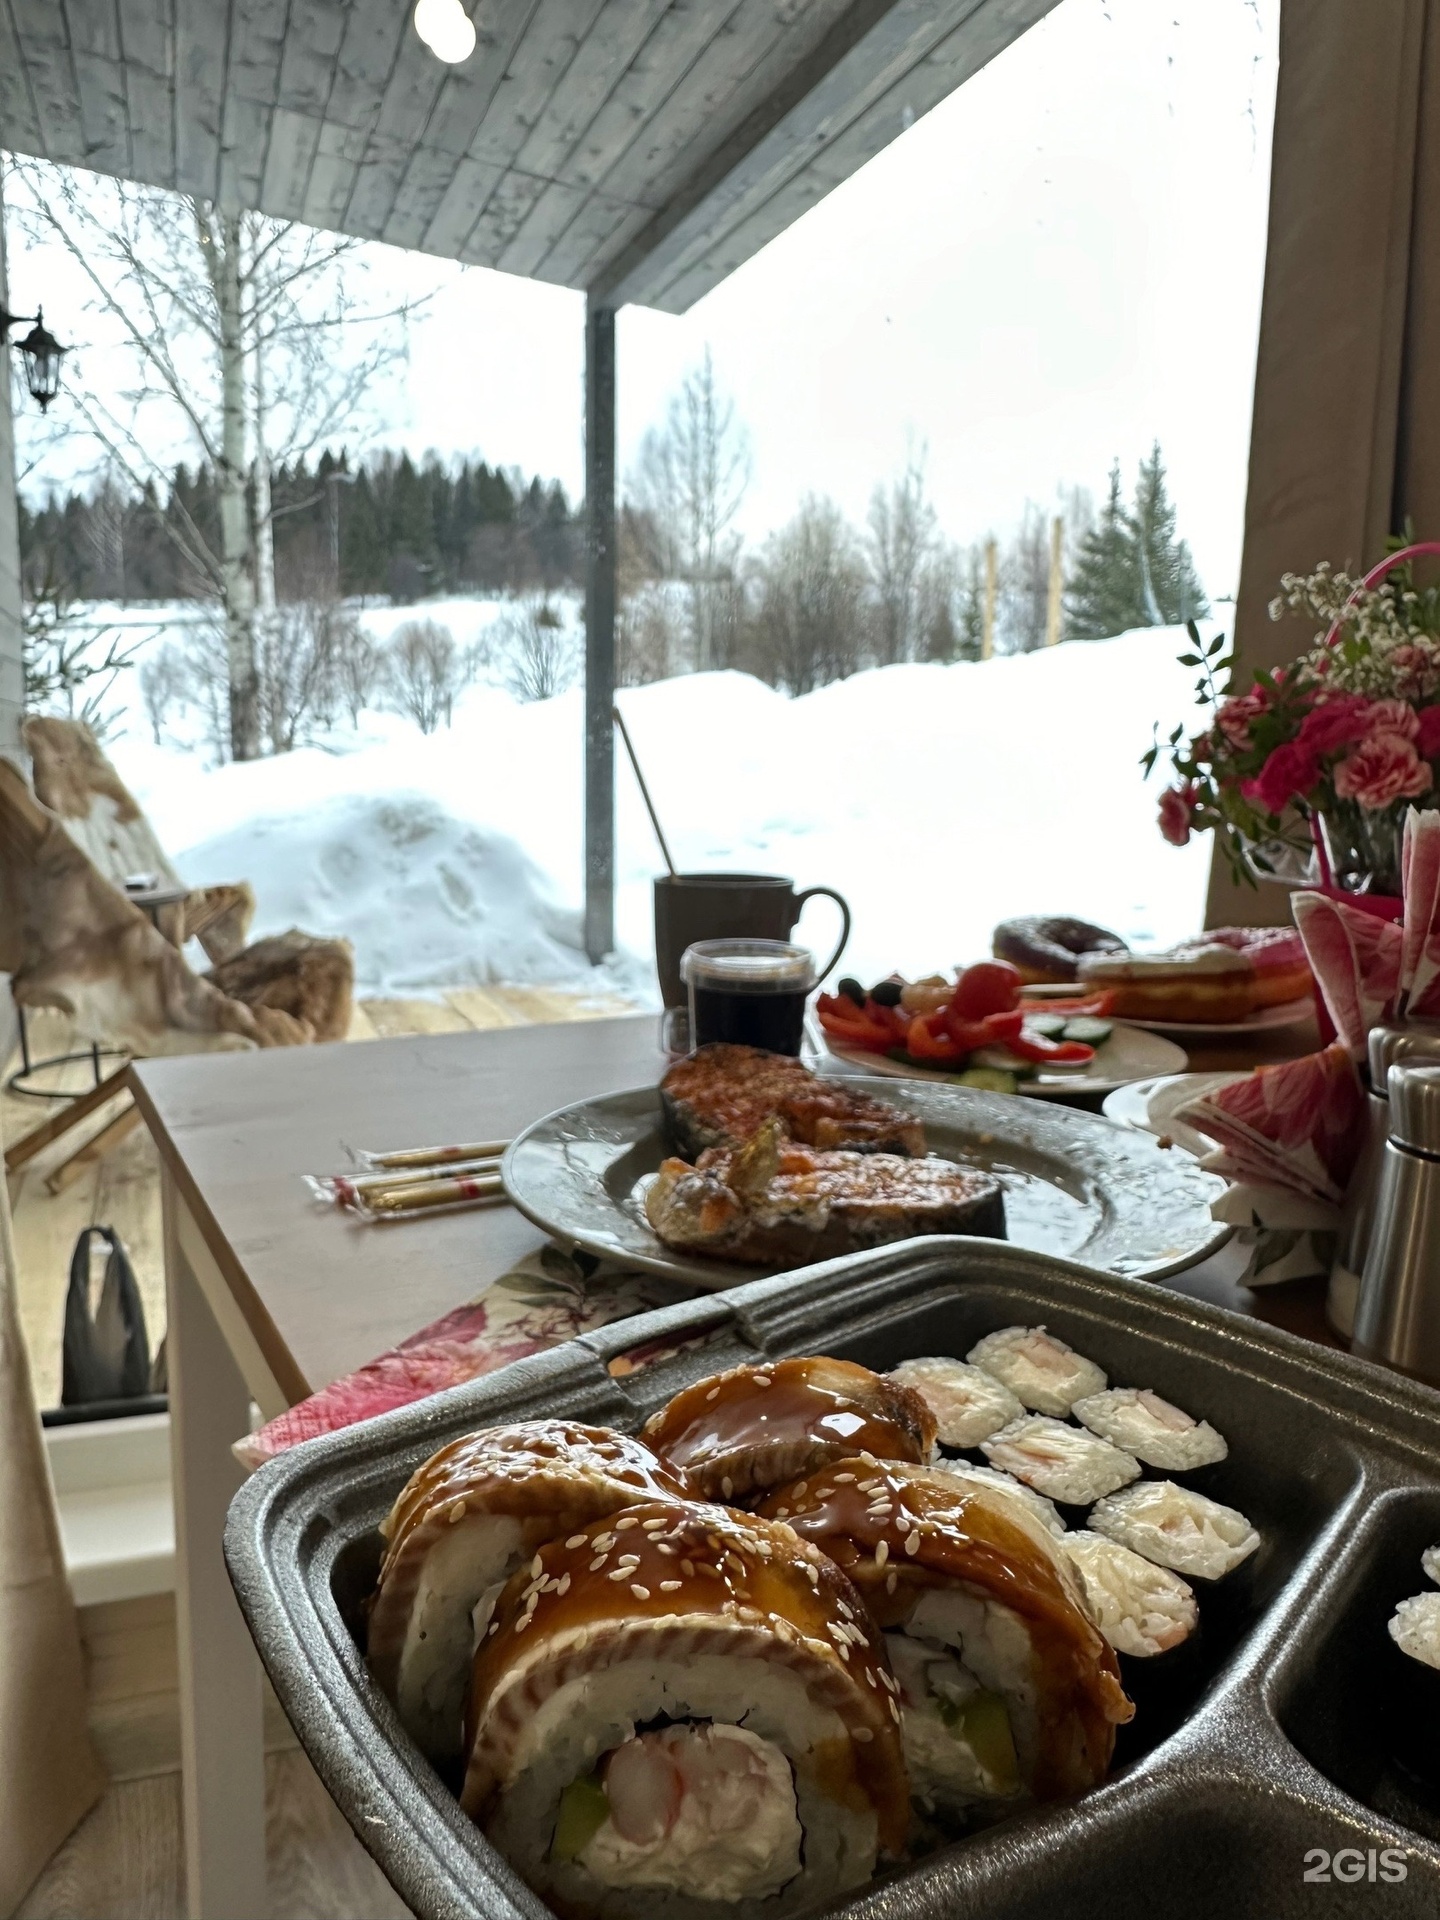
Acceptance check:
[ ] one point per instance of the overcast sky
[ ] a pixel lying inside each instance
(1057, 265)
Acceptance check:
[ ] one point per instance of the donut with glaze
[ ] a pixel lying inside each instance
(1045, 949)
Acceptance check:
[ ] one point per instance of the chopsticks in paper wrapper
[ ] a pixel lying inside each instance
(416, 1180)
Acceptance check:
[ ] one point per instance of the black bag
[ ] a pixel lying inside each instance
(107, 1357)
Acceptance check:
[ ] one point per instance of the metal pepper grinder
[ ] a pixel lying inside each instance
(1417, 1042)
(1397, 1319)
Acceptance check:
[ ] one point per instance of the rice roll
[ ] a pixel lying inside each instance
(968, 1404)
(1415, 1628)
(1042, 1372)
(738, 1433)
(1062, 1462)
(1177, 1528)
(1141, 1609)
(1008, 1691)
(1005, 1484)
(1430, 1564)
(465, 1520)
(685, 1711)
(1156, 1432)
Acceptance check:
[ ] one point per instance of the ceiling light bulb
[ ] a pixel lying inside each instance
(446, 29)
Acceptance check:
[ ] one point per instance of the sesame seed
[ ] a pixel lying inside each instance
(782, 1513)
(597, 1562)
(619, 1573)
(628, 1521)
(640, 1593)
(494, 1629)
(457, 1512)
(891, 1581)
(762, 1380)
(814, 1577)
(713, 1394)
(912, 1545)
(727, 1485)
(671, 1586)
(882, 1553)
(687, 1567)
(652, 1526)
(537, 1567)
(563, 1585)
(523, 1622)
(575, 1540)
(661, 1547)
(844, 1651)
(863, 1735)
(802, 1489)
(603, 1542)
(844, 1480)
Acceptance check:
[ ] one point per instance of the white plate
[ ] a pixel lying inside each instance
(1290, 1015)
(1150, 1106)
(1075, 1185)
(1129, 1054)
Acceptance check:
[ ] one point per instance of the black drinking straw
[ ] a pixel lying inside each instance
(644, 790)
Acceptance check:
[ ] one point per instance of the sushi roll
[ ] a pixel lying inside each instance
(1062, 1462)
(1430, 1564)
(968, 1404)
(1041, 1509)
(1412, 1687)
(1157, 1433)
(1142, 1610)
(1415, 1628)
(1042, 1372)
(736, 1434)
(466, 1519)
(1008, 1691)
(1177, 1528)
(685, 1711)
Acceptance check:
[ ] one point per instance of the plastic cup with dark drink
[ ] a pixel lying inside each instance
(751, 992)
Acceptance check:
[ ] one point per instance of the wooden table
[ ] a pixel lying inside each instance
(271, 1297)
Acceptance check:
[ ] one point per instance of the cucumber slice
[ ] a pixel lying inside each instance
(1086, 1028)
(1049, 1026)
(1001, 1060)
(988, 1080)
(583, 1811)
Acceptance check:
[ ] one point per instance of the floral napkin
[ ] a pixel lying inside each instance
(549, 1298)
(1297, 1127)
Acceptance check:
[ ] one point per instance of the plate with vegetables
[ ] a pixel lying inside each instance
(981, 1029)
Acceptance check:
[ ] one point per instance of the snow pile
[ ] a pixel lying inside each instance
(938, 799)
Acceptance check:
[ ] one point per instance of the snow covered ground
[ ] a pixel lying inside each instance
(938, 799)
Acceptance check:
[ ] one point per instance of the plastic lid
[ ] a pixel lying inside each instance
(1415, 1108)
(749, 966)
(1413, 1043)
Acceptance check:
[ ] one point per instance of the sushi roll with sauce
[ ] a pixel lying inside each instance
(1063, 1462)
(1142, 1610)
(685, 1711)
(1042, 1372)
(968, 1404)
(1008, 1690)
(741, 1432)
(1157, 1433)
(1177, 1528)
(1005, 1484)
(465, 1520)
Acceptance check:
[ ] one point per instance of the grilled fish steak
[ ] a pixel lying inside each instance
(772, 1202)
(720, 1095)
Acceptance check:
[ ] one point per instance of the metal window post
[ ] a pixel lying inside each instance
(599, 630)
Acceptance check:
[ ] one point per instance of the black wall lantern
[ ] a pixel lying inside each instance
(42, 353)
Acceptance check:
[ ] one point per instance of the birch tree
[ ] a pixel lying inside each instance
(903, 540)
(248, 340)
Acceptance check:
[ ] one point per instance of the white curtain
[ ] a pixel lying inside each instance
(48, 1767)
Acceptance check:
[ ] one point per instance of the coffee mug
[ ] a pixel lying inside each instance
(690, 907)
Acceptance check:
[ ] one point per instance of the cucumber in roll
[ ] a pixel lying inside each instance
(465, 1520)
(1009, 1692)
(685, 1711)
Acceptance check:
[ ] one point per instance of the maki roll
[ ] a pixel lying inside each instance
(1062, 1462)
(968, 1404)
(1008, 1690)
(684, 1710)
(1415, 1628)
(1009, 1488)
(1042, 1372)
(1177, 1528)
(1159, 1434)
(466, 1519)
(1142, 1610)
(1412, 1679)
(754, 1427)
(1430, 1564)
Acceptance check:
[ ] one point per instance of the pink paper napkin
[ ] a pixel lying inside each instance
(1298, 1125)
(1356, 959)
(1420, 953)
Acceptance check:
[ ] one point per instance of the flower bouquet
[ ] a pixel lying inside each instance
(1307, 773)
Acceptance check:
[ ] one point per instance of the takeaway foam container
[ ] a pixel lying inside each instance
(1258, 1777)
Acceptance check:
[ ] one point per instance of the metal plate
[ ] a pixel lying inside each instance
(1075, 1185)
(1266, 1754)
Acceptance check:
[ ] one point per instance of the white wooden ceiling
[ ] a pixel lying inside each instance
(636, 149)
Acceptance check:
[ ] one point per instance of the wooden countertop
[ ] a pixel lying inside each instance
(322, 1293)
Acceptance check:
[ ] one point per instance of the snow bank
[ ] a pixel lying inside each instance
(938, 799)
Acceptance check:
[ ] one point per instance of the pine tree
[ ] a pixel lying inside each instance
(1170, 585)
(1106, 592)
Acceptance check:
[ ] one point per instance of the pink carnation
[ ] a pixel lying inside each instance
(1384, 768)
(1177, 806)
(1291, 770)
(1394, 716)
(1427, 733)
(1233, 716)
(1335, 723)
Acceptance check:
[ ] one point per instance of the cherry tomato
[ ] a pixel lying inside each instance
(990, 986)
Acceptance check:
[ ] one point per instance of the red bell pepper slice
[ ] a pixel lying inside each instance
(854, 1026)
(995, 1030)
(1055, 1053)
(924, 1042)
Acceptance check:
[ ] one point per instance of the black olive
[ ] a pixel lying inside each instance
(852, 990)
(886, 993)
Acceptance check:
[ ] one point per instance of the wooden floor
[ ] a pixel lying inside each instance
(125, 1861)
